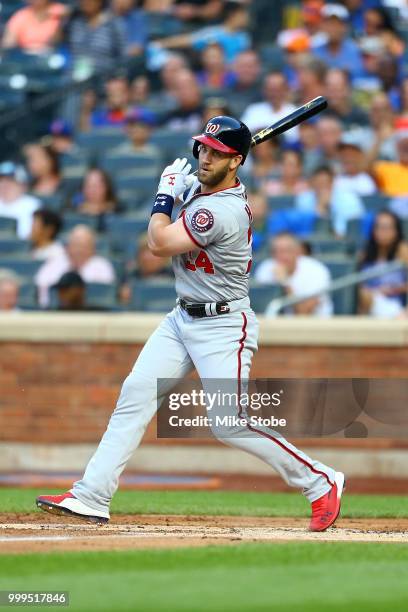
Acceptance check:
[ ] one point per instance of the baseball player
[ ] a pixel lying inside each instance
(212, 328)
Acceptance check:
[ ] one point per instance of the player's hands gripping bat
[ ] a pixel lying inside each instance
(175, 178)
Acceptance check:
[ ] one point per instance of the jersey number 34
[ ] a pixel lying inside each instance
(201, 261)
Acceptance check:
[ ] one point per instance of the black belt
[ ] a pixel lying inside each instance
(210, 309)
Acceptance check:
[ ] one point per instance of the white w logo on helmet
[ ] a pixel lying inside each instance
(212, 128)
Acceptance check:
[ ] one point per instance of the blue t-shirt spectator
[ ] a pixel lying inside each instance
(347, 58)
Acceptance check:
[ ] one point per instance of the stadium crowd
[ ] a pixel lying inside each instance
(329, 197)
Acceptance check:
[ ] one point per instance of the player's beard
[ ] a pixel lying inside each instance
(211, 179)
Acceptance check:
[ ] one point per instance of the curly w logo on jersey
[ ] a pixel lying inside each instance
(202, 220)
(212, 128)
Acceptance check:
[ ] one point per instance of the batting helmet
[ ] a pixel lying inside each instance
(225, 134)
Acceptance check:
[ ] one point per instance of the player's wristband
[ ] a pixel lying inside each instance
(163, 204)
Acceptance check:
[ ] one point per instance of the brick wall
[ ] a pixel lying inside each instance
(66, 392)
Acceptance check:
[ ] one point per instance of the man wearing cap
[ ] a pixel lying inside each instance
(339, 51)
(139, 123)
(15, 203)
(71, 293)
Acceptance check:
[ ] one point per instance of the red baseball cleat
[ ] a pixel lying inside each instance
(68, 505)
(326, 509)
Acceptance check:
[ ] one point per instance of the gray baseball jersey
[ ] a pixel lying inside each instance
(219, 224)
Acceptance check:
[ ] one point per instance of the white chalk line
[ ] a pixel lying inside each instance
(109, 532)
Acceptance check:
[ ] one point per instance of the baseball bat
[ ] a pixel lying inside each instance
(315, 106)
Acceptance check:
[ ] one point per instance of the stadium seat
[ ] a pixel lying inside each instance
(24, 267)
(376, 202)
(142, 187)
(123, 233)
(281, 202)
(344, 300)
(13, 246)
(261, 295)
(153, 296)
(27, 297)
(101, 294)
(72, 219)
(8, 225)
(324, 245)
(99, 139)
(117, 164)
(173, 143)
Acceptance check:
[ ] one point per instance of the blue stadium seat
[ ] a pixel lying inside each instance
(116, 164)
(27, 297)
(281, 202)
(13, 246)
(153, 296)
(72, 219)
(26, 268)
(124, 232)
(376, 202)
(323, 245)
(100, 139)
(261, 295)
(344, 300)
(101, 294)
(8, 225)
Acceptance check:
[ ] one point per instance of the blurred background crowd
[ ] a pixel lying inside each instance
(97, 96)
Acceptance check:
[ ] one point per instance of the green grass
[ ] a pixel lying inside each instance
(310, 577)
(220, 502)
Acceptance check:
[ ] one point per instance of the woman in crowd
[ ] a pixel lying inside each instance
(43, 166)
(385, 295)
(97, 196)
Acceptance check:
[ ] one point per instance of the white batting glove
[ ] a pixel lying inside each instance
(175, 178)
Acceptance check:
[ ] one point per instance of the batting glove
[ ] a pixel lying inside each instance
(175, 178)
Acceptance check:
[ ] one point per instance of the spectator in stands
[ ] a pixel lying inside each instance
(214, 74)
(139, 91)
(339, 96)
(61, 141)
(80, 255)
(71, 292)
(275, 106)
(290, 180)
(357, 9)
(97, 196)
(9, 290)
(392, 176)
(309, 145)
(340, 51)
(264, 161)
(86, 106)
(403, 99)
(246, 86)
(384, 296)
(329, 132)
(353, 174)
(189, 107)
(34, 28)
(134, 24)
(146, 265)
(232, 34)
(298, 274)
(95, 39)
(139, 123)
(378, 24)
(44, 168)
(311, 74)
(44, 231)
(15, 202)
(379, 137)
(213, 107)
(324, 200)
(116, 105)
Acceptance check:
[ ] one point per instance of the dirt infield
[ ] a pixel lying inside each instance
(22, 533)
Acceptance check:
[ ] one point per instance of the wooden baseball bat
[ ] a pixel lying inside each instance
(315, 106)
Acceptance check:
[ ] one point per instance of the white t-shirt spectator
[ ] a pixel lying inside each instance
(21, 210)
(97, 269)
(261, 114)
(361, 184)
(310, 276)
(54, 249)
